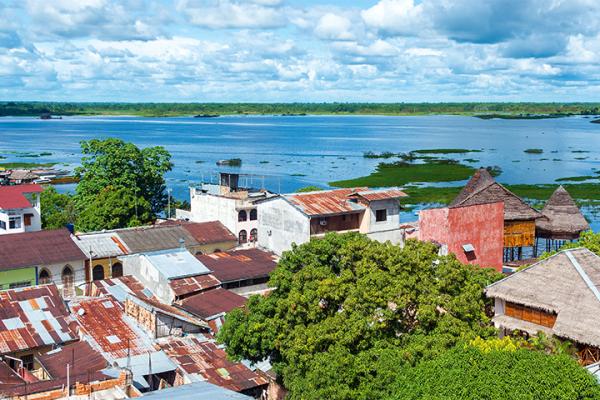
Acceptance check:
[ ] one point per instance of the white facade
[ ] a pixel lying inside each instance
(21, 220)
(236, 214)
(280, 224)
(59, 273)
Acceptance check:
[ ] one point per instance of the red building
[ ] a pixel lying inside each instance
(473, 233)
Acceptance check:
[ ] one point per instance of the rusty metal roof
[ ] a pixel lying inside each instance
(124, 285)
(380, 194)
(205, 232)
(239, 265)
(108, 329)
(193, 284)
(203, 360)
(79, 355)
(326, 202)
(33, 317)
(12, 197)
(38, 248)
(212, 303)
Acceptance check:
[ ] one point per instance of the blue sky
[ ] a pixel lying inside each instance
(294, 50)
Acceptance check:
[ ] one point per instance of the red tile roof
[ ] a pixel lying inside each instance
(205, 232)
(193, 284)
(12, 197)
(103, 320)
(38, 248)
(326, 202)
(212, 303)
(33, 317)
(203, 358)
(238, 265)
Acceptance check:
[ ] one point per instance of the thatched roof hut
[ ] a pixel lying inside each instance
(483, 189)
(565, 284)
(563, 219)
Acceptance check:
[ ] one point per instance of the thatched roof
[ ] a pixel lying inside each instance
(563, 218)
(483, 189)
(566, 284)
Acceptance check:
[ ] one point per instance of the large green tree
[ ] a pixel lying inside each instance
(135, 174)
(58, 209)
(345, 304)
(468, 373)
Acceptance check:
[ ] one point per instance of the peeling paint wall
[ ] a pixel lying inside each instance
(480, 225)
(280, 224)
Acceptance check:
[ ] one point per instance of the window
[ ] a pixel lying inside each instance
(381, 215)
(3, 225)
(20, 284)
(98, 273)
(14, 222)
(67, 275)
(243, 236)
(44, 277)
(27, 219)
(242, 216)
(254, 235)
(27, 362)
(253, 215)
(117, 270)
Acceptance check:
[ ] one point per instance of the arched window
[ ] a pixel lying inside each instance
(253, 214)
(44, 277)
(242, 216)
(98, 273)
(67, 275)
(117, 270)
(254, 235)
(243, 236)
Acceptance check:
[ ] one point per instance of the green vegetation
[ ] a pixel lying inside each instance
(263, 162)
(351, 318)
(524, 116)
(401, 173)
(533, 151)
(589, 240)
(482, 110)
(309, 189)
(25, 165)
(468, 373)
(445, 151)
(385, 154)
(575, 178)
(297, 174)
(58, 209)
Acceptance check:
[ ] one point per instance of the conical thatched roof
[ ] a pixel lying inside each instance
(565, 284)
(483, 189)
(563, 219)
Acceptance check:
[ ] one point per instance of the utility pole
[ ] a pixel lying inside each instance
(68, 383)
(169, 190)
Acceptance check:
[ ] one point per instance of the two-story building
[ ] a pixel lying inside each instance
(20, 209)
(228, 202)
(299, 217)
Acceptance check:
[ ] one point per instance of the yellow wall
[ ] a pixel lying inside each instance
(519, 233)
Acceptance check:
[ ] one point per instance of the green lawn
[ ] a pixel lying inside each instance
(25, 165)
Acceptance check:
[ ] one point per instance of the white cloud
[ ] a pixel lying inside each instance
(334, 27)
(402, 17)
(230, 14)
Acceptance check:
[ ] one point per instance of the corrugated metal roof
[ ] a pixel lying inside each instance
(154, 362)
(38, 248)
(201, 359)
(176, 263)
(326, 202)
(79, 355)
(212, 303)
(33, 317)
(205, 232)
(238, 265)
(102, 245)
(103, 317)
(119, 288)
(200, 390)
(381, 194)
(12, 197)
(193, 284)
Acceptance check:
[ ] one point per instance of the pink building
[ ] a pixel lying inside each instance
(473, 233)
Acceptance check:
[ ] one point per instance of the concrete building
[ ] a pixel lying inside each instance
(299, 217)
(228, 202)
(20, 209)
(49, 256)
(474, 234)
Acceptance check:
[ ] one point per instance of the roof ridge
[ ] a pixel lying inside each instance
(476, 192)
(583, 274)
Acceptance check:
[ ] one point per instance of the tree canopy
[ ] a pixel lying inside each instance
(347, 311)
(120, 184)
(58, 209)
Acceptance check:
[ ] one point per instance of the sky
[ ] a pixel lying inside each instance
(300, 50)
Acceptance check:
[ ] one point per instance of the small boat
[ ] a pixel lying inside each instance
(42, 181)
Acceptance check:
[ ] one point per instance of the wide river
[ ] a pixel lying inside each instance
(286, 153)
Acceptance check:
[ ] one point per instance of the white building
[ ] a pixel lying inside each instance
(298, 217)
(227, 202)
(20, 209)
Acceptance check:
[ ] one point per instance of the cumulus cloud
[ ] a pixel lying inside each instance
(396, 17)
(334, 27)
(230, 14)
